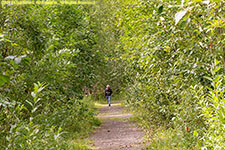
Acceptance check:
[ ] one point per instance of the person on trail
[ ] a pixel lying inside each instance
(108, 93)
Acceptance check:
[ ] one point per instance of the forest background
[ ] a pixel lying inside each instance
(165, 59)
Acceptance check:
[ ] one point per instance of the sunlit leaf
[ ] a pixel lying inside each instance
(179, 16)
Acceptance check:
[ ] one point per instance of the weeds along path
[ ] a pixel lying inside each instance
(116, 132)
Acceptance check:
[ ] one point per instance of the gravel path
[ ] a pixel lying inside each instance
(116, 132)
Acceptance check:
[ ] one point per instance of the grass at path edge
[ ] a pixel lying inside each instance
(79, 141)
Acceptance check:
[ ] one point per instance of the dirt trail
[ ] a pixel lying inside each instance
(116, 132)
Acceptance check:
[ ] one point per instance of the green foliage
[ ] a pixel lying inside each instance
(157, 53)
(53, 47)
(167, 48)
(212, 107)
(171, 139)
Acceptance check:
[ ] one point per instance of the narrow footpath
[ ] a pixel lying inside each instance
(116, 131)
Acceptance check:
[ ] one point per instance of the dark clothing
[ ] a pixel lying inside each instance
(108, 92)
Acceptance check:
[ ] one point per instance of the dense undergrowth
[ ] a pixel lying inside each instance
(47, 55)
(166, 57)
(173, 53)
(51, 56)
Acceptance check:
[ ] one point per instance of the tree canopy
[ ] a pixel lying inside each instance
(166, 59)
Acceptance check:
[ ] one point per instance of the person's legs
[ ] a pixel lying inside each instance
(109, 98)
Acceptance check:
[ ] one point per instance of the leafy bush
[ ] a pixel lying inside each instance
(171, 139)
(53, 47)
(43, 128)
(212, 107)
(158, 53)
(167, 48)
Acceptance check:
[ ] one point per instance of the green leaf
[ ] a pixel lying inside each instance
(1, 82)
(4, 79)
(160, 9)
(210, 79)
(217, 69)
(216, 61)
(217, 78)
(28, 102)
(195, 133)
